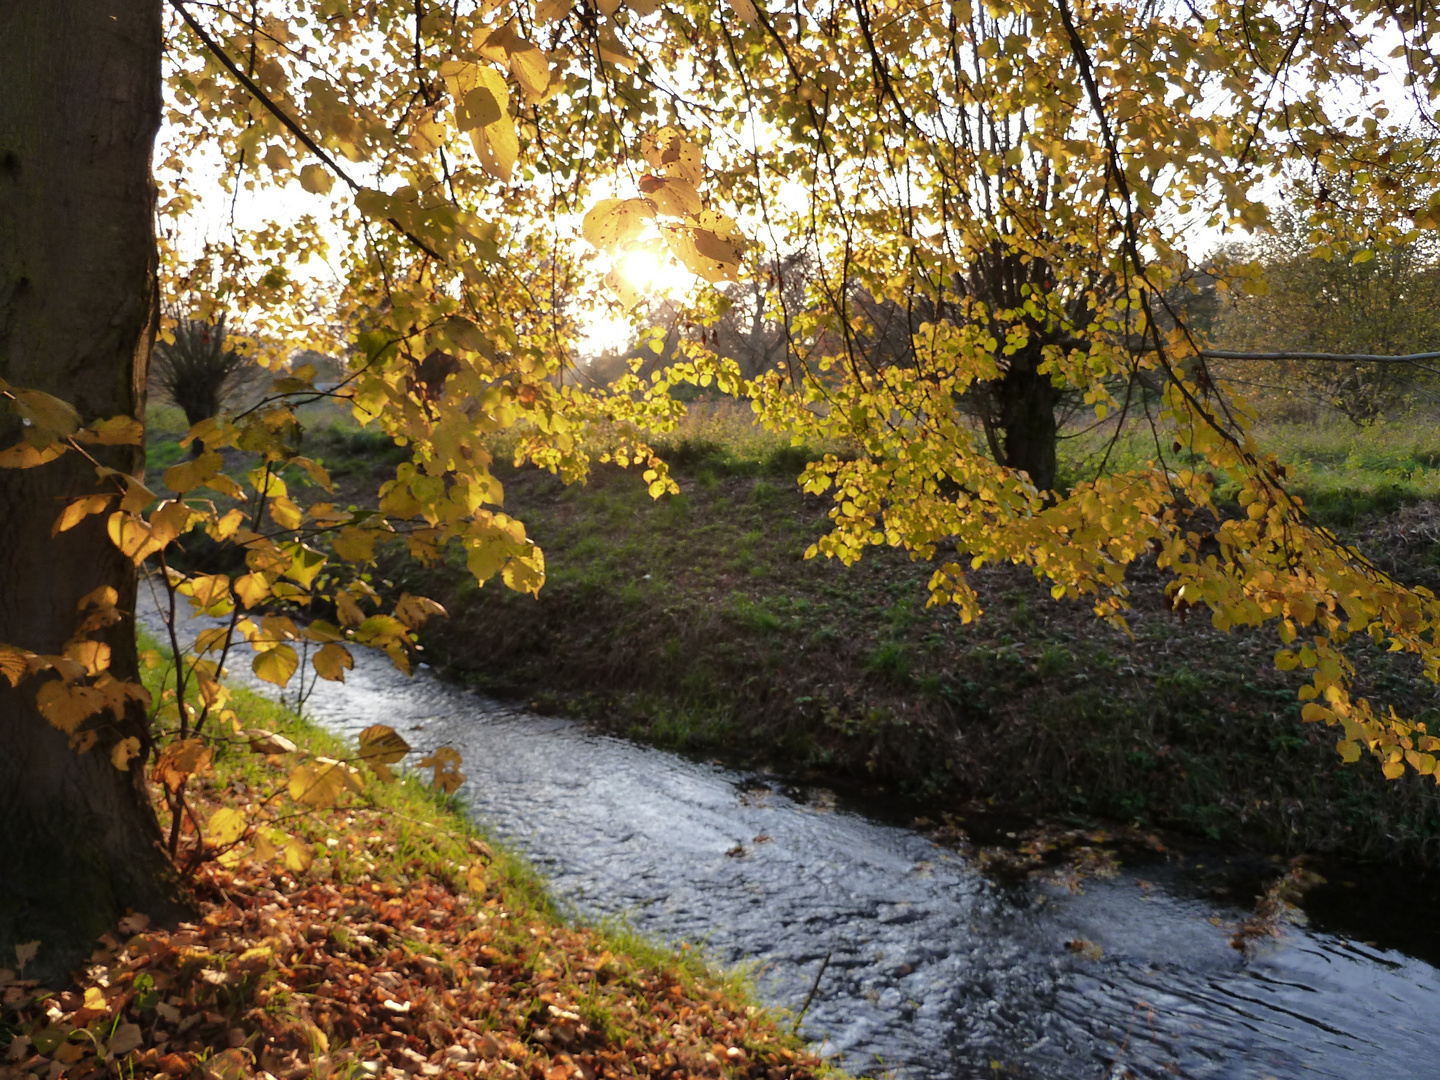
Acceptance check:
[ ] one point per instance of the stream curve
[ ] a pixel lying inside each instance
(932, 968)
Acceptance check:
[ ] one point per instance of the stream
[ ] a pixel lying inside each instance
(932, 966)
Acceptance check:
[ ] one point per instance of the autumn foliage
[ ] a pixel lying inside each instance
(441, 965)
(1014, 182)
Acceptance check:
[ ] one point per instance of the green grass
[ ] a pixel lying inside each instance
(1347, 475)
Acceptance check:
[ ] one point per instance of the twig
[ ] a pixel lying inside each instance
(290, 124)
(795, 1028)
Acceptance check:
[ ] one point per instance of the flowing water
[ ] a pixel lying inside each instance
(931, 966)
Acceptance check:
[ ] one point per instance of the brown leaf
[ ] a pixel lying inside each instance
(179, 761)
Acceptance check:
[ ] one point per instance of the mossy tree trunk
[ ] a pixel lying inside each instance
(79, 110)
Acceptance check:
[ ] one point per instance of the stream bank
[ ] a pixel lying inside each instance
(694, 624)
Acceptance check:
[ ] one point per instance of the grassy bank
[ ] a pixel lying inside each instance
(410, 947)
(693, 622)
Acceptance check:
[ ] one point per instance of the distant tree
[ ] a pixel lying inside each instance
(758, 331)
(196, 369)
(1314, 299)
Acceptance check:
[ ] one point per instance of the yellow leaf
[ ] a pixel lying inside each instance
(114, 431)
(611, 51)
(78, 511)
(379, 631)
(475, 877)
(381, 747)
(94, 999)
(672, 196)
(267, 844)
(414, 611)
(332, 661)
(131, 535)
(484, 104)
(24, 456)
(354, 545)
(94, 656)
(298, 856)
(179, 761)
(349, 610)
(321, 784)
(531, 69)
(192, 474)
(137, 495)
(14, 664)
(314, 469)
(445, 761)
(497, 146)
(305, 564)
(744, 10)
(322, 630)
(209, 594)
(284, 512)
(225, 826)
(67, 707)
(613, 223)
(125, 751)
(276, 665)
(1393, 770)
(140, 539)
(705, 254)
(47, 413)
(226, 526)
(316, 180)
(252, 588)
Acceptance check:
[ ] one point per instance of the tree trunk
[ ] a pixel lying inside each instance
(79, 110)
(1025, 402)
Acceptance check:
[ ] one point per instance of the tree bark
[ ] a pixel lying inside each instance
(79, 110)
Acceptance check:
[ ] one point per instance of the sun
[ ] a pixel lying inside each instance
(643, 267)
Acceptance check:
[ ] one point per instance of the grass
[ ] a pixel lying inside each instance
(1345, 474)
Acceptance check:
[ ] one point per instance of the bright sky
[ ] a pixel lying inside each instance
(648, 267)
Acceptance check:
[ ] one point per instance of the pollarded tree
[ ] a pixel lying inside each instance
(1013, 179)
(195, 369)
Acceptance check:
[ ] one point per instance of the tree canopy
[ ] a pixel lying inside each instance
(995, 205)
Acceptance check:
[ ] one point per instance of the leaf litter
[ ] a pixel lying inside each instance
(439, 969)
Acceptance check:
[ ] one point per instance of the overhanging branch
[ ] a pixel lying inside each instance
(290, 123)
(1333, 358)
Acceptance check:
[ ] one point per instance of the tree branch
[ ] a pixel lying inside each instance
(290, 124)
